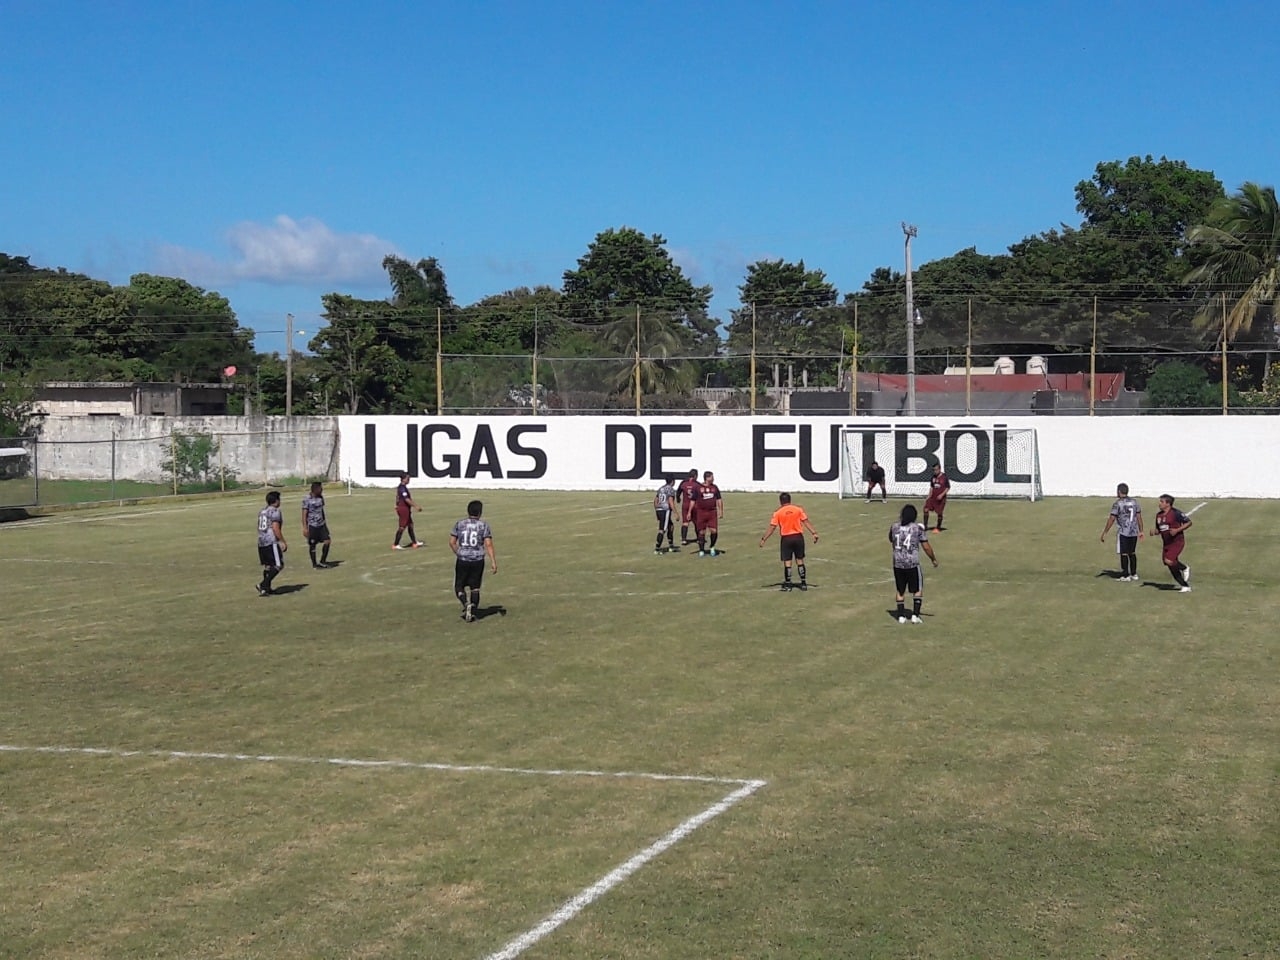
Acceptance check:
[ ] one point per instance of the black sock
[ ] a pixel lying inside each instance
(786, 574)
(802, 573)
(657, 544)
(412, 537)
(714, 537)
(324, 554)
(399, 534)
(1177, 575)
(939, 527)
(684, 533)
(902, 611)
(915, 605)
(475, 600)
(311, 549)
(1124, 564)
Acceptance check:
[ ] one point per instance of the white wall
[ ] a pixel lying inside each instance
(1079, 456)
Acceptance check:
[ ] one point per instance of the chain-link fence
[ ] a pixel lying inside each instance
(1118, 347)
(147, 457)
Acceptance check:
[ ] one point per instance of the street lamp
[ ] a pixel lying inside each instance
(909, 229)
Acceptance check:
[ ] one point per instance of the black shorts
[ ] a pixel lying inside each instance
(663, 517)
(792, 547)
(1126, 544)
(910, 580)
(271, 556)
(318, 534)
(467, 573)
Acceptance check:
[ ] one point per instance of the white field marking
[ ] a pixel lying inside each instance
(117, 513)
(77, 562)
(566, 911)
(580, 901)
(1204, 503)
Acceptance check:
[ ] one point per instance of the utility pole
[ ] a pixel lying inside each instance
(288, 362)
(910, 230)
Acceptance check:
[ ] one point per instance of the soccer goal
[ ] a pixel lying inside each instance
(979, 461)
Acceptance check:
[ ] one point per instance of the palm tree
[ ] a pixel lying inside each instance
(662, 368)
(1240, 240)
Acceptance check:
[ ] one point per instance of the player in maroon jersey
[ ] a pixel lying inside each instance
(708, 511)
(1171, 523)
(686, 494)
(939, 486)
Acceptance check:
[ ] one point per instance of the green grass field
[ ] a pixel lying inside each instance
(661, 756)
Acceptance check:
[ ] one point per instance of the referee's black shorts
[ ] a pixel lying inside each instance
(792, 547)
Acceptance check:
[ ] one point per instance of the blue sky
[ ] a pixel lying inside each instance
(277, 151)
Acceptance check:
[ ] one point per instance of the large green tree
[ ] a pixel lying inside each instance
(788, 312)
(624, 269)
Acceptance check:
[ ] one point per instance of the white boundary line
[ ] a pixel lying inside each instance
(1197, 507)
(562, 914)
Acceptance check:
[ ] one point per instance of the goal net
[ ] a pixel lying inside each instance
(979, 461)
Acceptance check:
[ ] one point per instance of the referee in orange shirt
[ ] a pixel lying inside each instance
(790, 521)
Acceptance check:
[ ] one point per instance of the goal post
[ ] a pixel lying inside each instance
(979, 461)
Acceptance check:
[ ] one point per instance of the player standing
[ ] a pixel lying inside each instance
(664, 502)
(939, 486)
(708, 511)
(315, 526)
(875, 477)
(271, 543)
(790, 521)
(1172, 523)
(1127, 516)
(404, 515)
(470, 540)
(686, 496)
(908, 537)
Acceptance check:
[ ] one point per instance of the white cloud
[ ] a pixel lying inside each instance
(284, 251)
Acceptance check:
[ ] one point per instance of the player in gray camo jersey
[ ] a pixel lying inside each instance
(315, 526)
(471, 541)
(908, 538)
(1127, 516)
(271, 542)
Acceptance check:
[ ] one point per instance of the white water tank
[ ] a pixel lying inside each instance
(1037, 364)
(1004, 365)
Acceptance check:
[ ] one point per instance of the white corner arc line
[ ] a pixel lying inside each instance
(579, 902)
(566, 911)
(1203, 503)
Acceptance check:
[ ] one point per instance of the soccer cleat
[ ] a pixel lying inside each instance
(803, 585)
(785, 587)
(713, 551)
(396, 546)
(673, 549)
(258, 587)
(702, 553)
(1184, 589)
(916, 619)
(418, 543)
(657, 553)
(469, 615)
(902, 619)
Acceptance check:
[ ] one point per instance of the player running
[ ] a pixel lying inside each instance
(939, 486)
(1172, 523)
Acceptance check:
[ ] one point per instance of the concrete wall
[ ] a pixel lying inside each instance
(1210, 456)
(256, 449)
